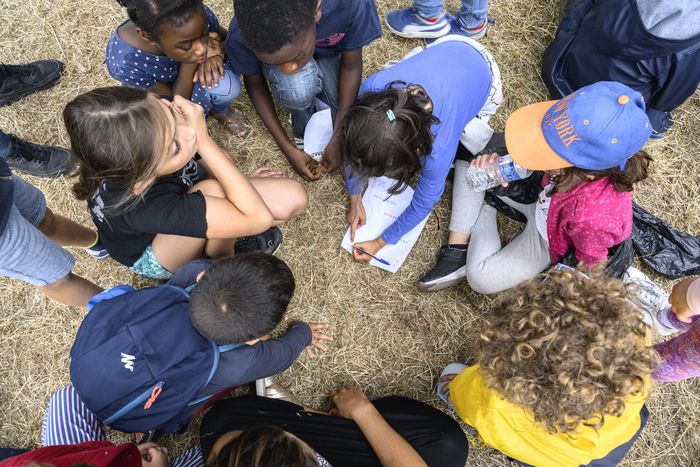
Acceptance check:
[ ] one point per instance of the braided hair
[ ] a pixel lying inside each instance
(152, 16)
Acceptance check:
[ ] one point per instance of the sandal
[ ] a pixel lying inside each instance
(269, 387)
(452, 368)
(234, 121)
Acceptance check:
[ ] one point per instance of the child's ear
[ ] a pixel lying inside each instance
(145, 36)
(141, 186)
(318, 11)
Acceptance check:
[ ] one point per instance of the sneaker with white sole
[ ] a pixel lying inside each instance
(97, 251)
(651, 299)
(450, 268)
(267, 242)
(408, 23)
(458, 28)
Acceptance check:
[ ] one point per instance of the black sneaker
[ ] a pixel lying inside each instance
(451, 266)
(22, 80)
(268, 242)
(37, 160)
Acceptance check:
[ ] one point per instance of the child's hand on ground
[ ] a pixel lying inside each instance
(446, 388)
(360, 250)
(349, 403)
(153, 455)
(679, 300)
(210, 72)
(192, 114)
(483, 161)
(355, 215)
(317, 338)
(264, 171)
(301, 164)
(331, 155)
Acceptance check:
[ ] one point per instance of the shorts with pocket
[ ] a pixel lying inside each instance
(25, 252)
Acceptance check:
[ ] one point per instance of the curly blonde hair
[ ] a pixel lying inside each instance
(570, 348)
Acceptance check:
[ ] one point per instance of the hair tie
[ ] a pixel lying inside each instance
(390, 115)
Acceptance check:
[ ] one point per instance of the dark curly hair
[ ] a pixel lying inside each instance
(269, 25)
(635, 171)
(373, 145)
(153, 16)
(570, 348)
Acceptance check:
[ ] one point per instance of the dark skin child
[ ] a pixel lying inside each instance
(290, 59)
(200, 54)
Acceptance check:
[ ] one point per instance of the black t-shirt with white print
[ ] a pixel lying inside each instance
(166, 208)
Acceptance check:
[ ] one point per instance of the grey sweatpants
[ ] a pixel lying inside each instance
(492, 268)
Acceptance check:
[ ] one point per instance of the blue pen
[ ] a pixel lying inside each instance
(383, 261)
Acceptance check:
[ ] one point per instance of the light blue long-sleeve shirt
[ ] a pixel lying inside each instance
(457, 80)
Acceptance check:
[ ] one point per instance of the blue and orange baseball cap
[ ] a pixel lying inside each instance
(598, 127)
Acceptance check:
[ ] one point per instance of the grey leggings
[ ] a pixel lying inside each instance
(490, 267)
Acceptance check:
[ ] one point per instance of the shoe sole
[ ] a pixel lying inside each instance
(443, 282)
(420, 35)
(14, 97)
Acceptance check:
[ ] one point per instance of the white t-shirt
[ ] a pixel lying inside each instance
(542, 211)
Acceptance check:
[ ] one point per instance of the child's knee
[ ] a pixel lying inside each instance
(297, 91)
(228, 89)
(480, 282)
(299, 198)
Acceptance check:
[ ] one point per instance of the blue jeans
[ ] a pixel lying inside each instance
(4, 144)
(471, 14)
(296, 92)
(218, 98)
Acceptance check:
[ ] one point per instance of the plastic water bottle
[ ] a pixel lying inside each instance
(502, 169)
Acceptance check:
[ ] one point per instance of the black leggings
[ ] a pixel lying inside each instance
(437, 437)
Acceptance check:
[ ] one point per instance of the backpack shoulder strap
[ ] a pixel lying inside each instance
(109, 294)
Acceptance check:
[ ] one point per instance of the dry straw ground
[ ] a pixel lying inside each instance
(389, 339)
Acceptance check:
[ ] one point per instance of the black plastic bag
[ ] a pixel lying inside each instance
(667, 251)
(620, 258)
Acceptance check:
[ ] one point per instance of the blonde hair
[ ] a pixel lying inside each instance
(570, 349)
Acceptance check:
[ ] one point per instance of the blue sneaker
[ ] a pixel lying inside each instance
(97, 251)
(456, 27)
(408, 23)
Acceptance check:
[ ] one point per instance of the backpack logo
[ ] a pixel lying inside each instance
(128, 361)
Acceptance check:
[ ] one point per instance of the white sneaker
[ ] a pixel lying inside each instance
(651, 299)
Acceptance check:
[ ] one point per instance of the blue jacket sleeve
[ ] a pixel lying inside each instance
(273, 356)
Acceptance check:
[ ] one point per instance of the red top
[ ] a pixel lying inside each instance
(95, 453)
(590, 218)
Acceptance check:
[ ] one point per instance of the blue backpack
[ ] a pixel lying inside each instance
(138, 363)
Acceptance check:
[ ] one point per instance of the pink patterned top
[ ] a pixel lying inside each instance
(590, 218)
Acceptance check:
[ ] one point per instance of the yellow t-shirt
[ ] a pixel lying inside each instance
(512, 429)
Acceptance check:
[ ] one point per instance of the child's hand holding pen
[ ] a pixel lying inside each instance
(365, 251)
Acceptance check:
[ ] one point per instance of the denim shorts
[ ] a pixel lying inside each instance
(26, 253)
(147, 265)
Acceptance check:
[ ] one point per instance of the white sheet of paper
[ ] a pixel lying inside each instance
(381, 213)
(319, 129)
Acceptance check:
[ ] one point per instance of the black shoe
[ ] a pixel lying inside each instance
(268, 242)
(22, 80)
(40, 161)
(451, 266)
(150, 436)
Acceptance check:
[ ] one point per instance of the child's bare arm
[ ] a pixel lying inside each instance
(348, 87)
(183, 83)
(260, 96)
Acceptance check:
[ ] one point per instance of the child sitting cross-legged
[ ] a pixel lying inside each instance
(149, 359)
(175, 48)
(156, 206)
(563, 372)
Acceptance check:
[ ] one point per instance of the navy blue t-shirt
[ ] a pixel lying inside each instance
(345, 25)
